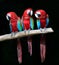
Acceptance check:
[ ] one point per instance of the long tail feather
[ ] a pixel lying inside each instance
(30, 45)
(19, 51)
(43, 48)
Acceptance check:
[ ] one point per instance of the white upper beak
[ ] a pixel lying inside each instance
(31, 12)
(7, 16)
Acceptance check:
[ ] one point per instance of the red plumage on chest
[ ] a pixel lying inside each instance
(14, 25)
(42, 16)
(26, 18)
(12, 17)
(26, 23)
(43, 23)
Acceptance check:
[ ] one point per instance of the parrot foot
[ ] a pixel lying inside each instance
(13, 34)
(41, 29)
(44, 29)
(25, 31)
(28, 31)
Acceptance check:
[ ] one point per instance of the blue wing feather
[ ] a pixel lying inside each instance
(38, 24)
(10, 27)
(19, 25)
(47, 22)
(23, 26)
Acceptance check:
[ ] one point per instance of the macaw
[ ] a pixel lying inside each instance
(42, 20)
(15, 26)
(28, 24)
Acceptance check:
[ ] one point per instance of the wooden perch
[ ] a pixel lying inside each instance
(23, 34)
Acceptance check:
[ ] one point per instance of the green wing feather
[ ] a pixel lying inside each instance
(32, 23)
(19, 25)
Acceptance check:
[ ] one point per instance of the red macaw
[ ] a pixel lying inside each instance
(28, 23)
(14, 21)
(42, 22)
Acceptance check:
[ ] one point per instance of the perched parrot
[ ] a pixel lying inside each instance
(28, 24)
(15, 26)
(42, 20)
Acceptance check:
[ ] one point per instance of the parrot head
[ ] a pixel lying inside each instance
(11, 15)
(41, 14)
(28, 13)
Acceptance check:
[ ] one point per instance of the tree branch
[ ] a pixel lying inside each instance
(23, 34)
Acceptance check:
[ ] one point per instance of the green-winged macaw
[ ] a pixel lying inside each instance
(28, 24)
(15, 26)
(42, 20)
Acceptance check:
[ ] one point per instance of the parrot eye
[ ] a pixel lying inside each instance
(30, 12)
(37, 14)
(8, 17)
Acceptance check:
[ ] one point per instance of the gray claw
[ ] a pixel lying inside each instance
(25, 31)
(12, 34)
(41, 29)
(28, 31)
(44, 29)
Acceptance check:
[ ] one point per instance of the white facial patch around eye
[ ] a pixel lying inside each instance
(31, 12)
(28, 11)
(36, 15)
(7, 16)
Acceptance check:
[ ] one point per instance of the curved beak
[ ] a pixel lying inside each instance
(8, 17)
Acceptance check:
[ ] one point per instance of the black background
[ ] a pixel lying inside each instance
(8, 52)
